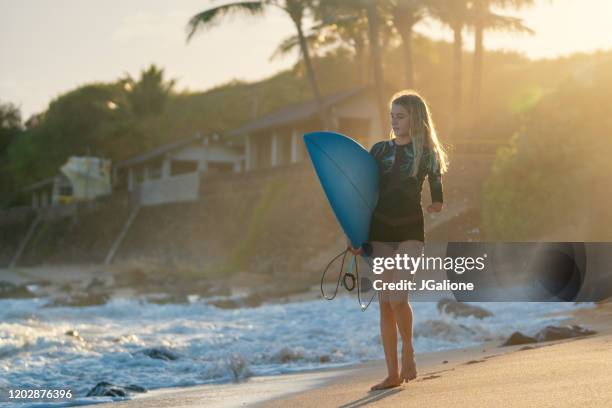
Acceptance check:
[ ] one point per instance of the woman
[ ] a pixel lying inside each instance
(397, 226)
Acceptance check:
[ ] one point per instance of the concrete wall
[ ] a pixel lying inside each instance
(14, 224)
(272, 220)
(179, 188)
(83, 234)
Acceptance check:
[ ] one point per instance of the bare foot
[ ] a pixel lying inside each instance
(388, 382)
(409, 371)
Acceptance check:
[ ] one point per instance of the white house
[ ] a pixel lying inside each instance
(276, 139)
(171, 172)
(48, 192)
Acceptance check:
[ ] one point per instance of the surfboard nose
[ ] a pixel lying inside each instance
(309, 137)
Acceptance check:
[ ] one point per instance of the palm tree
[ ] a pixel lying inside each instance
(335, 11)
(344, 27)
(483, 19)
(406, 14)
(348, 33)
(148, 95)
(353, 31)
(373, 16)
(296, 9)
(456, 15)
(314, 41)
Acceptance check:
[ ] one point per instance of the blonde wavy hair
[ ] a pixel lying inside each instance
(421, 129)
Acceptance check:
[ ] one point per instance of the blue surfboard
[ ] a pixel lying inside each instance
(349, 177)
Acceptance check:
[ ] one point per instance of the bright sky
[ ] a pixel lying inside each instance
(51, 46)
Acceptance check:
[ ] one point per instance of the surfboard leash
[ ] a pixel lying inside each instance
(356, 264)
(343, 255)
(342, 276)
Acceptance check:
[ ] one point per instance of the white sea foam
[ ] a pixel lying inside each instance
(215, 345)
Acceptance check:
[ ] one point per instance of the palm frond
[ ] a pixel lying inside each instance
(314, 40)
(506, 23)
(285, 47)
(515, 4)
(208, 18)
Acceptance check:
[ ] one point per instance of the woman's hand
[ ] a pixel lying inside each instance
(434, 207)
(355, 251)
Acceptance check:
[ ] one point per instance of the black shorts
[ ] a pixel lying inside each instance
(409, 227)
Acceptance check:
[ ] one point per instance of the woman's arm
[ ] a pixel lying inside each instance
(434, 177)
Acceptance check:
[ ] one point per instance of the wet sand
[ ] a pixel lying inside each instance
(573, 372)
(567, 373)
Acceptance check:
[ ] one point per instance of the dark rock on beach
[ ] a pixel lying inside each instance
(10, 290)
(66, 287)
(167, 298)
(551, 333)
(95, 284)
(226, 303)
(253, 300)
(258, 297)
(324, 358)
(239, 368)
(106, 389)
(519, 338)
(80, 299)
(159, 353)
(132, 277)
(75, 334)
(286, 355)
(459, 309)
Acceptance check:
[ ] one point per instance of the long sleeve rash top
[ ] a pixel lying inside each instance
(400, 193)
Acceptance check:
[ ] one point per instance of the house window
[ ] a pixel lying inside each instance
(65, 190)
(220, 167)
(178, 167)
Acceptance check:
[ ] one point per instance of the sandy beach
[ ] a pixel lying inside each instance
(209, 204)
(567, 373)
(560, 373)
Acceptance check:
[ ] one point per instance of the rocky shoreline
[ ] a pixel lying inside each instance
(83, 286)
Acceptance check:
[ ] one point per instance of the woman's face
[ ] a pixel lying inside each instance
(400, 120)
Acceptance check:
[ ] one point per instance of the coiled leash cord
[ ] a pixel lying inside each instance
(343, 255)
(343, 277)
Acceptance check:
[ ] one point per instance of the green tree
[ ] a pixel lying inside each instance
(149, 95)
(554, 174)
(346, 24)
(10, 124)
(352, 31)
(372, 11)
(331, 33)
(70, 126)
(374, 24)
(406, 14)
(455, 14)
(484, 19)
(295, 9)
(10, 129)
